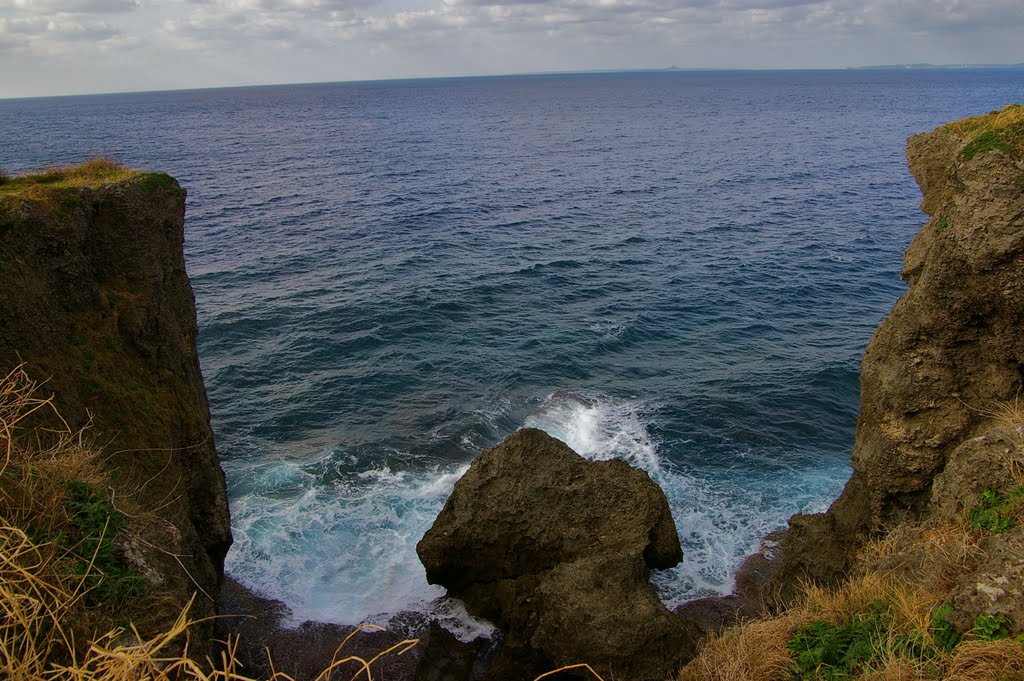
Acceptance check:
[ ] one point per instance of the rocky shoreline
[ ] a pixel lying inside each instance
(554, 549)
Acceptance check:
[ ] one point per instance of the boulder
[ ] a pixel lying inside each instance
(557, 551)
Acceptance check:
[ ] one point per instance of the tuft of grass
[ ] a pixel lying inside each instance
(109, 581)
(755, 651)
(94, 173)
(158, 182)
(987, 661)
(1001, 130)
(942, 225)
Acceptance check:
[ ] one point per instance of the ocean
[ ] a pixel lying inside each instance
(680, 269)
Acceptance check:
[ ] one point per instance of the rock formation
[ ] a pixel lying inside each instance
(948, 357)
(94, 299)
(556, 550)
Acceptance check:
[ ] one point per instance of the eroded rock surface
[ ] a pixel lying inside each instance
(950, 351)
(557, 551)
(94, 299)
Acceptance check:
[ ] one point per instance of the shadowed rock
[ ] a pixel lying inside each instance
(94, 299)
(557, 551)
(949, 352)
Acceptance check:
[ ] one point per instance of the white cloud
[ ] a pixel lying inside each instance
(64, 7)
(298, 40)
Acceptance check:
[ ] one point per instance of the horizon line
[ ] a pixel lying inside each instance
(665, 69)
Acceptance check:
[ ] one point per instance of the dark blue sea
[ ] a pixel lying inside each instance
(681, 269)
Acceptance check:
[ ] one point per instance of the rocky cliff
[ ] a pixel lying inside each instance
(947, 360)
(95, 301)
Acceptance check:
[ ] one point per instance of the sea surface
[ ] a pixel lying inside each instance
(680, 269)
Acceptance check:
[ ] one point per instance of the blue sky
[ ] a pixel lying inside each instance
(50, 47)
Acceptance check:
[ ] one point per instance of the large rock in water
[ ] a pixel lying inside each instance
(556, 550)
(950, 352)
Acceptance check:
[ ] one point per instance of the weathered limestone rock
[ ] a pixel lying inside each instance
(95, 300)
(980, 463)
(557, 551)
(996, 588)
(952, 348)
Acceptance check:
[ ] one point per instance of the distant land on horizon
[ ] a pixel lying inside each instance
(673, 68)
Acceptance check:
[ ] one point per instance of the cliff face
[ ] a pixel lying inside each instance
(948, 357)
(95, 301)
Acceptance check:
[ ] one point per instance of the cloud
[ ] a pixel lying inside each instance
(952, 14)
(65, 7)
(55, 35)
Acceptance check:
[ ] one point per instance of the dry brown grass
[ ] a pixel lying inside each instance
(93, 173)
(987, 661)
(934, 558)
(47, 630)
(755, 651)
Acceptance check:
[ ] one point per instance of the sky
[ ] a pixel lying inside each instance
(56, 47)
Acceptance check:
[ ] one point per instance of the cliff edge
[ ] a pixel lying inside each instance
(946, 361)
(917, 569)
(96, 304)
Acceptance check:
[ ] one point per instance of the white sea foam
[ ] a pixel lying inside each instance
(719, 522)
(340, 546)
(337, 543)
(598, 427)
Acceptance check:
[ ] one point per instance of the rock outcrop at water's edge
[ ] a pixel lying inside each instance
(946, 360)
(94, 299)
(556, 550)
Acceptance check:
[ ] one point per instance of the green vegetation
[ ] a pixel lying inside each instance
(945, 634)
(1001, 130)
(943, 224)
(865, 641)
(158, 182)
(825, 651)
(996, 512)
(104, 572)
(92, 174)
(986, 141)
(869, 641)
(991, 627)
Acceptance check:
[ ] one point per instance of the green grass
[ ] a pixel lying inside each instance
(110, 581)
(995, 512)
(93, 173)
(1001, 131)
(158, 182)
(863, 642)
(943, 224)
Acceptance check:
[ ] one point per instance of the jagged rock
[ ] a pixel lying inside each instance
(95, 300)
(557, 550)
(950, 350)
